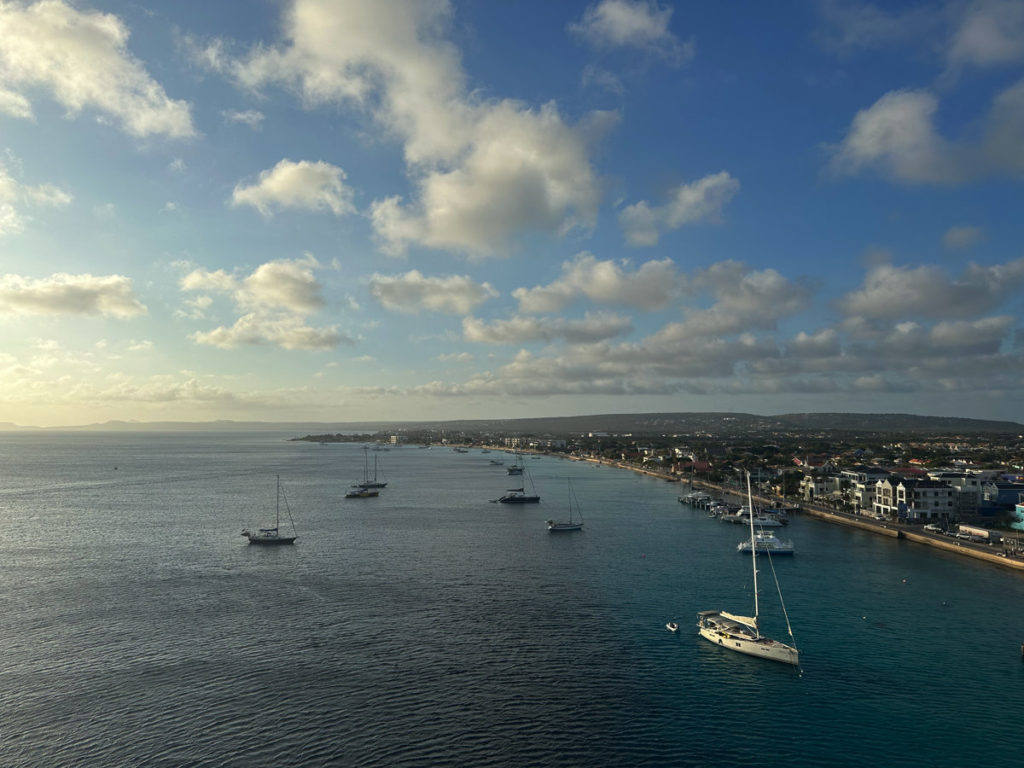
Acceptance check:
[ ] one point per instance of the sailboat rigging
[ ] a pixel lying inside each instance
(742, 633)
(367, 488)
(272, 536)
(572, 524)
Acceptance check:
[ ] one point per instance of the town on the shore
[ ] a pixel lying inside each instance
(964, 487)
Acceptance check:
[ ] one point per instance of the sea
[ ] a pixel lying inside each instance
(430, 626)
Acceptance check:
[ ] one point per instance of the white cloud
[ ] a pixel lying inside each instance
(962, 237)
(824, 343)
(702, 200)
(891, 292)
(285, 331)
(412, 292)
(283, 284)
(653, 285)
(641, 24)
(523, 170)
(64, 294)
(984, 336)
(14, 195)
(593, 327)
(483, 172)
(990, 33)
(896, 137)
(250, 117)
(745, 299)
(14, 104)
(274, 300)
(82, 58)
(306, 185)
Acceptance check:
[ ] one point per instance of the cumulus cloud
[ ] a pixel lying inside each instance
(890, 292)
(413, 292)
(64, 294)
(285, 331)
(653, 285)
(305, 185)
(641, 24)
(82, 59)
(745, 299)
(482, 171)
(275, 299)
(896, 137)
(702, 200)
(523, 170)
(591, 328)
(959, 238)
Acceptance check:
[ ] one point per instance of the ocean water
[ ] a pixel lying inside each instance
(429, 627)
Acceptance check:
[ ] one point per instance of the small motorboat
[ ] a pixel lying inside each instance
(672, 626)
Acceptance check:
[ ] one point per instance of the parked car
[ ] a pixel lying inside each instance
(933, 527)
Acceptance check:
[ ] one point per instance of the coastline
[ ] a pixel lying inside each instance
(891, 530)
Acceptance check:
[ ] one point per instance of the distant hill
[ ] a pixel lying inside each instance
(638, 424)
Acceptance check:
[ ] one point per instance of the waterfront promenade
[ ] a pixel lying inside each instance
(996, 554)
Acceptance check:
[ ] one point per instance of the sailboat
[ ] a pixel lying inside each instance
(365, 489)
(741, 633)
(272, 536)
(572, 525)
(516, 468)
(374, 483)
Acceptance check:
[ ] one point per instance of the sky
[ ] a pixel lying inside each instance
(360, 210)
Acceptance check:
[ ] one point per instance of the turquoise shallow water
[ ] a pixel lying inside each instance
(431, 627)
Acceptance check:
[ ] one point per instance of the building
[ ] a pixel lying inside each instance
(862, 481)
(915, 500)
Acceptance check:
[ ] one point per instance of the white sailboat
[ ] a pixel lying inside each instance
(741, 633)
(575, 522)
(272, 536)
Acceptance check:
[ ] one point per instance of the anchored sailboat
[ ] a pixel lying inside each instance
(271, 536)
(367, 488)
(573, 524)
(741, 633)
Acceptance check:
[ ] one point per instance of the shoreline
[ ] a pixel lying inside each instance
(882, 528)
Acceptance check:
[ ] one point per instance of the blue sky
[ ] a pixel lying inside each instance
(341, 210)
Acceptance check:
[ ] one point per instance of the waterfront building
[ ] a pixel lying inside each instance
(818, 487)
(862, 481)
(914, 500)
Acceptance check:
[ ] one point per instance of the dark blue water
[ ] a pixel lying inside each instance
(429, 627)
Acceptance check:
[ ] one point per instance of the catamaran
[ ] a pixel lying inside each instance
(741, 633)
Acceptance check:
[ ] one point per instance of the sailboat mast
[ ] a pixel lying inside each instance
(753, 549)
(277, 514)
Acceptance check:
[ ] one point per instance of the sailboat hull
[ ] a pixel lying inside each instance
(271, 542)
(556, 527)
(742, 639)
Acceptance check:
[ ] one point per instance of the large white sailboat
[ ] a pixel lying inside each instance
(741, 633)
